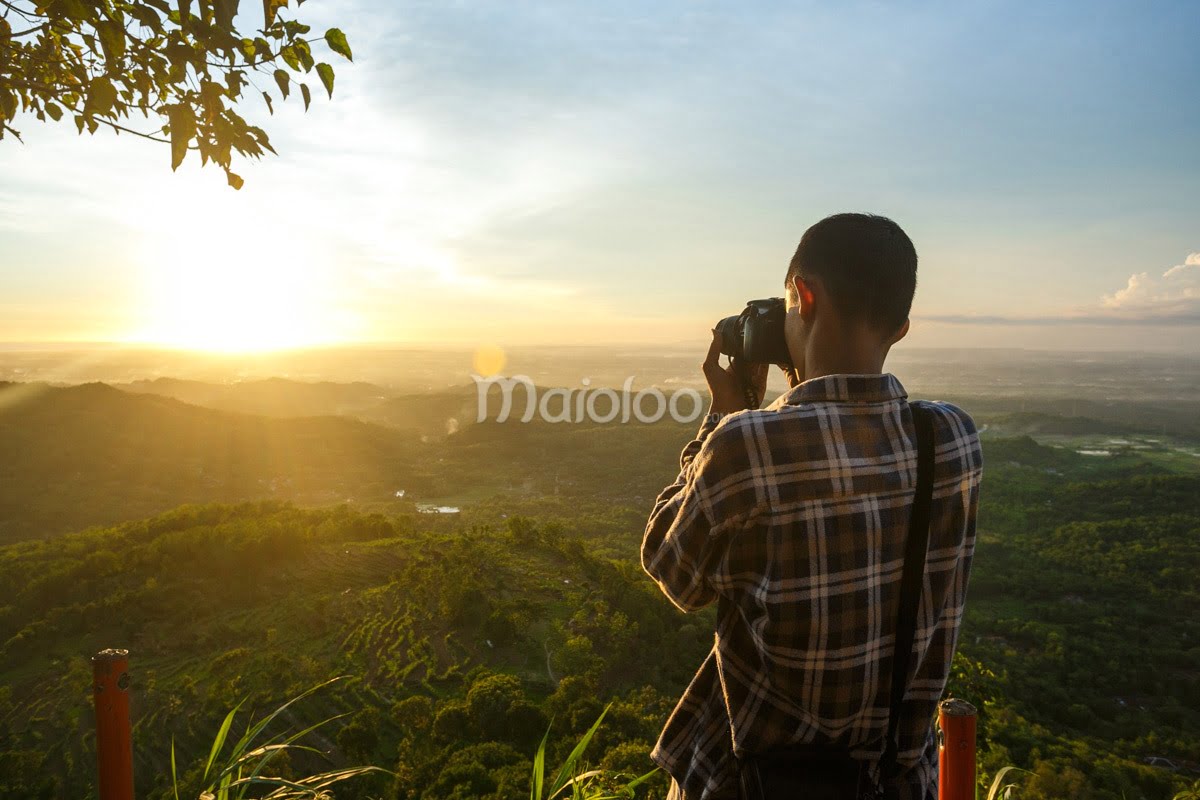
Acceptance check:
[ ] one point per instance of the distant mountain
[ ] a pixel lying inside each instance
(435, 413)
(93, 454)
(441, 412)
(273, 397)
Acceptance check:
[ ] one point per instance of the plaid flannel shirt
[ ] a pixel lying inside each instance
(793, 519)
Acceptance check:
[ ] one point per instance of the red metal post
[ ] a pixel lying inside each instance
(114, 735)
(956, 754)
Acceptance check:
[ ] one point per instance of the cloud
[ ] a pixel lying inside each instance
(1174, 294)
(1172, 298)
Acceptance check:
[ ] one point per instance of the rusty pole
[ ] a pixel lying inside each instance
(114, 735)
(956, 754)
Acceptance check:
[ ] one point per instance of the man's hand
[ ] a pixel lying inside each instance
(725, 383)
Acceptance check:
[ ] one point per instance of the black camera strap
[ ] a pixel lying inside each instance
(749, 392)
(911, 580)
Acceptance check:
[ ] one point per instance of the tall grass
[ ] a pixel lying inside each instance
(593, 784)
(1191, 793)
(1001, 790)
(242, 772)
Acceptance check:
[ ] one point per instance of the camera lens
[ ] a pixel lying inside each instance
(730, 331)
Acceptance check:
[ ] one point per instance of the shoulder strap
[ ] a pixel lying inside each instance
(911, 581)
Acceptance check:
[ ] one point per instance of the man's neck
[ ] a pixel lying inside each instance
(846, 353)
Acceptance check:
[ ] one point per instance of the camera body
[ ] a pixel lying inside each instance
(756, 335)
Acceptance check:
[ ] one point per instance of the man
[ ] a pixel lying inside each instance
(794, 518)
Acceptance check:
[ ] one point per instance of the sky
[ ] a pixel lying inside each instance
(537, 173)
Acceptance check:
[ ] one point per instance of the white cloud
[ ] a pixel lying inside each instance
(1193, 260)
(1147, 299)
(1174, 294)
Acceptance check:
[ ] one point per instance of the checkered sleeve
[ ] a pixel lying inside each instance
(681, 545)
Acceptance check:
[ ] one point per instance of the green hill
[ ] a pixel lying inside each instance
(92, 454)
(219, 603)
(1078, 646)
(273, 397)
(464, 634)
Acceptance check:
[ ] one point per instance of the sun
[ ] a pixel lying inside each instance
(239, 288)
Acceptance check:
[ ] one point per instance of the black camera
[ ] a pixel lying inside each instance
(756, 335)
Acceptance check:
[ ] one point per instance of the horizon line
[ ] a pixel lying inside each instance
(45, 345)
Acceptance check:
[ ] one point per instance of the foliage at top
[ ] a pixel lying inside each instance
(182, 67)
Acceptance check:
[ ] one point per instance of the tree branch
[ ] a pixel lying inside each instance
(26, 14)
(122, 128)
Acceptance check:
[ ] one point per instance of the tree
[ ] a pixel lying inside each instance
(359, 739)
(489, 702)
(183, 68)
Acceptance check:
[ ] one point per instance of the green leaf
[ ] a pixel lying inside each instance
(225, 11)
(338, 44)
(306, 95)
(290, 57)
(146, 16)
(112, 41)
(262, 137)
(101, 96)
(269, 9)
(183, 128)
(54, 111)
(326, 74)
(210, 97)
(234, 180)
(8, 103)
(282, 81)
(270, 108)
(234, 80)
(305, 54)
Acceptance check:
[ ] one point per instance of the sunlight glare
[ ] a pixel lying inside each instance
(249, 288)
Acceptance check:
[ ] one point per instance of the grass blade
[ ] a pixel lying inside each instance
(997, 782)
(636, 782)
(539, 769)
(269, 751)
(219, 742)
(174, 775)
(244, 743)
(564, 773)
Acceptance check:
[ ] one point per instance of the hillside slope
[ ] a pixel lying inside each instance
(221, 603)
(94, 455)
(90, 454)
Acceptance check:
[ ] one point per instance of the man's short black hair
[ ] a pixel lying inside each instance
(867, 264)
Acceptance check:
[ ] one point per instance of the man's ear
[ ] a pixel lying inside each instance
(899, 334)
(805, 298)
